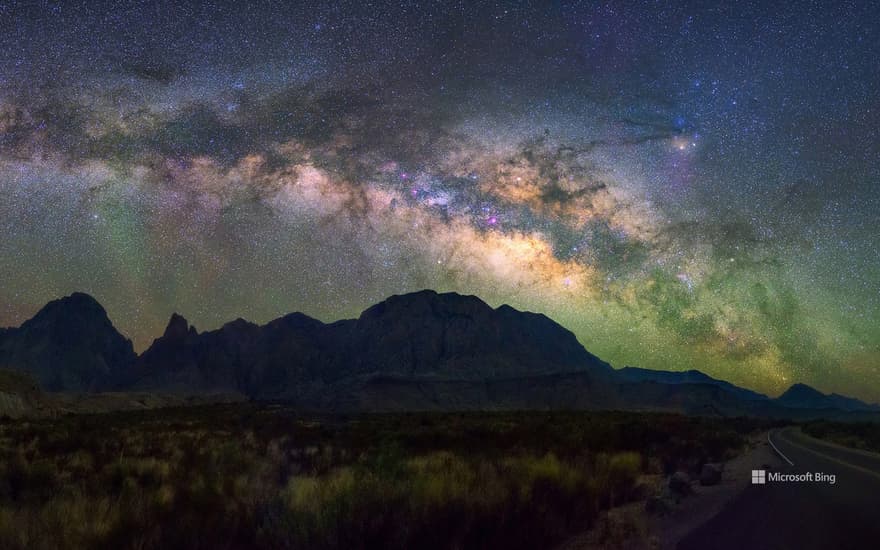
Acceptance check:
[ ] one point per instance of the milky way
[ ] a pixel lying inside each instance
(682, 187)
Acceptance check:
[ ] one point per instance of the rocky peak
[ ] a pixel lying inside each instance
(70, 344)
(178, 328)
(70, 310)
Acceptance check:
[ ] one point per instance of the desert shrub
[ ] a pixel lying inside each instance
(517, 502)
(257, 476)
(616, 475)
(857, 435)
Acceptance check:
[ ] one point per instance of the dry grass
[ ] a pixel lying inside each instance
(245, 476)
(856, 435)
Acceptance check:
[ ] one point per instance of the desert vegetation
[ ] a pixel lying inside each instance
(857, 435)
(246, 475)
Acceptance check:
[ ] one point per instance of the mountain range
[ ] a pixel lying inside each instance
(418, 351)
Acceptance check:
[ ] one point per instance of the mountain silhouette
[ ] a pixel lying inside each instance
(422, 335)
(69, 345)
(418, 351)
(802, 396)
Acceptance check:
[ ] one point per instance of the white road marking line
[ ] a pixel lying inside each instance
(790, 463)
(837, 460)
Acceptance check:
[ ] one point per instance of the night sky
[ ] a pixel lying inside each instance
(682, 186)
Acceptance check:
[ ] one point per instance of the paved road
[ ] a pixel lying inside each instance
(803, 515)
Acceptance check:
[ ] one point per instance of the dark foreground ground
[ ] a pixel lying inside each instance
(804, 514)
(244, 476)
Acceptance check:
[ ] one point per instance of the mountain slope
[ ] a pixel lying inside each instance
(424, 335)
(450, 335)
(69, 345)
(635, 374)
(20, 395)
(802, 396)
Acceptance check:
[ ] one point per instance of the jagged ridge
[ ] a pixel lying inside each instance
(422, 350)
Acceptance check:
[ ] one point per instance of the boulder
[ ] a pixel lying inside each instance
(658, 505)
(680, 483)
(711, 474)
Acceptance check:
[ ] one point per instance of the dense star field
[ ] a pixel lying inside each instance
(681, 186)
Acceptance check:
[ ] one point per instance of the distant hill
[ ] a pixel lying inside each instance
(418, 351)
(802, 396)
(635, 374)
(21, 396)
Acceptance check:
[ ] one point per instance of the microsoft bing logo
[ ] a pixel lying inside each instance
(759, 477)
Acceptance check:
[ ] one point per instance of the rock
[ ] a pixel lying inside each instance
(383, 358)
(711, 474)
(658, 505)
(641, 490)
(680, 483)
(69, 345)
